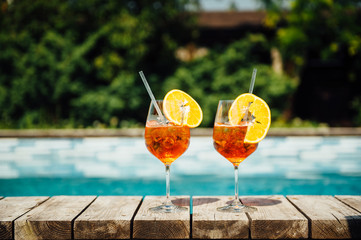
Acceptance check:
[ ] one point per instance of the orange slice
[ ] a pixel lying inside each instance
(178, 104)
(259, 112)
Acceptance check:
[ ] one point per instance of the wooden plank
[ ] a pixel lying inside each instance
(52, 219)
(330, 218)
(150, 225)
(13, 207)
(351, 200)
(275, 218)
(208, 223)
(108, 217)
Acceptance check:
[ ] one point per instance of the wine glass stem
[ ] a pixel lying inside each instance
(236, 184)
(167, 184)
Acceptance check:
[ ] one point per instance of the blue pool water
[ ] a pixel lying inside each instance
(123, 166)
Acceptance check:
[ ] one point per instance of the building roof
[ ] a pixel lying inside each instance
(230, 19)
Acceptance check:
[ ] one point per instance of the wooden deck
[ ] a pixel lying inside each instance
(127, 217)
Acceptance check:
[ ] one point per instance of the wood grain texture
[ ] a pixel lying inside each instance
(150, 225)
(108, 217)
(275, 218)
(52, 219)
(351, 200)
(208, 223)
(330, 218)
(13, 207)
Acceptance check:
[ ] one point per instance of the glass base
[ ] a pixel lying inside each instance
(237, 208)
(168, 208)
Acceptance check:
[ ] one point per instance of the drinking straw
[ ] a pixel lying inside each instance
(253, 80)
(151, 96)
(250, 91)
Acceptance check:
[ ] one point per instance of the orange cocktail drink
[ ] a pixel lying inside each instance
(239, 126)
(229, 142)
(168, 142)
(167, 134)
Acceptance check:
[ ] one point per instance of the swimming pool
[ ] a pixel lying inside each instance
(123, 166)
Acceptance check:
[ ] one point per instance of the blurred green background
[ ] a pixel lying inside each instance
(75, 63)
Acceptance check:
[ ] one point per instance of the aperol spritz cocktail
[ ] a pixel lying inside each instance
(238, 128)
(167, 134)
(167, 142)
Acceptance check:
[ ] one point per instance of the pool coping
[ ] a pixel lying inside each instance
(138, 132)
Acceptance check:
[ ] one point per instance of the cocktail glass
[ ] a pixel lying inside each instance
(228, 140)
(167, 142)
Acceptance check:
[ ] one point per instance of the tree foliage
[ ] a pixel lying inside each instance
(73, 62)
(226, 73)
(321, 29)
(323, 33)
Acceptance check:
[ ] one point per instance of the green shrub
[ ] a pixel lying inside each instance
(76, 63)
(227, 74)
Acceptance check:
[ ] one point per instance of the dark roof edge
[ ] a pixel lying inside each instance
(138, 132)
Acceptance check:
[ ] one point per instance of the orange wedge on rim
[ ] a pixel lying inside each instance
(260, 115)
(180, 108)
